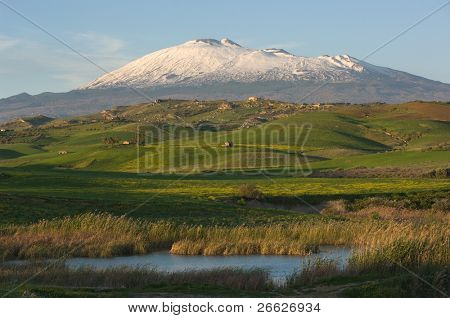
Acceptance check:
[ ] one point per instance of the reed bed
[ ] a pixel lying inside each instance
(102, 235)
(87, 235)
(412, 253)
(392, 248)
(124, 277)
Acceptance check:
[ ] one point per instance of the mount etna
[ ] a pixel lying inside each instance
(212, 69)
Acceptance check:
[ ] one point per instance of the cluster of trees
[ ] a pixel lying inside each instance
(110, 141)
(24, 136)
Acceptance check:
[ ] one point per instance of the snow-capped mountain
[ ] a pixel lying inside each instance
(212, 69)
(207, 61)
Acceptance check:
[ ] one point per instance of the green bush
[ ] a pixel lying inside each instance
(336, 207)
(250, 192)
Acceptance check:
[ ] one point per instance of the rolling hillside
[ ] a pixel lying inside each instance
(190, 136)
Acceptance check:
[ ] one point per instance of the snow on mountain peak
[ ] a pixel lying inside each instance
(204, 61)
(213, 42)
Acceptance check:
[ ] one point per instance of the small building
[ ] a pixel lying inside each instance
(228, 144)
(125, 142)
(225, 106)
(109, 115)
(253, 99)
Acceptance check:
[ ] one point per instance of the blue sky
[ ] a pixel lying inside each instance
(114, 32)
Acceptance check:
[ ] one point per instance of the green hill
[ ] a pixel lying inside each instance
(264, 133)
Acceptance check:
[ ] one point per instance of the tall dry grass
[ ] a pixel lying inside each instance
(90, 235)
(410, 246)
(103, 235)
(377, 240)
(124, 277)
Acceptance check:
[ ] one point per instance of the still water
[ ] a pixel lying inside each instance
(278, 266)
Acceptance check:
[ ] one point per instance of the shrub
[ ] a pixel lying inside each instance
(336, 207)
(250, 192)
(4, 175)
(241, 201)
(441, 205)
(440, 173)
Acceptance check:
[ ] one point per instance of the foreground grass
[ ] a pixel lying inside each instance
(136, 278)
(320, 279)
(323, 278)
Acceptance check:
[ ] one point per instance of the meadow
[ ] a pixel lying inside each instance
(204, 199)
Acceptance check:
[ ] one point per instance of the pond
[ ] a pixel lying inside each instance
(278, 266)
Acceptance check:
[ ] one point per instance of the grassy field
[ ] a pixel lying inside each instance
(69, 181)
(391, 159)
(205, 199)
